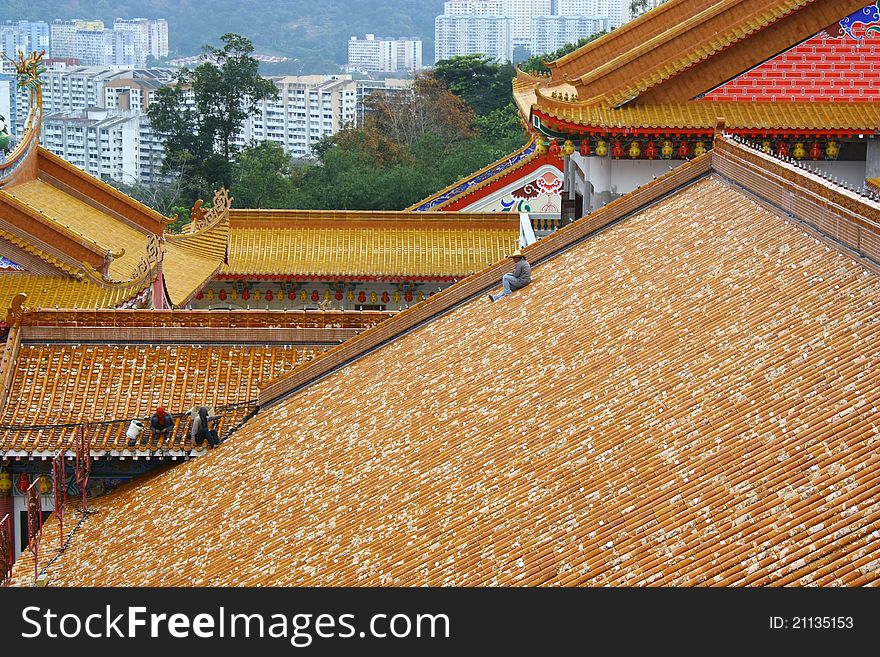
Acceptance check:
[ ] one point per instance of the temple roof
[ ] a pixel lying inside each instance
(684, 395)
(63, 291)
(365, 244)
(648, 72)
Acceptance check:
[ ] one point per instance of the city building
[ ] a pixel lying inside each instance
(150, 37)
(307, 109)
(384, 54)
(389, 88)
(63, 33)
(23, 36)
(521, 13)
(550, 33)
(467, 34)
(617, 11)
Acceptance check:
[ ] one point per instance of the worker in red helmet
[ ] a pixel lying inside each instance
(161, 425)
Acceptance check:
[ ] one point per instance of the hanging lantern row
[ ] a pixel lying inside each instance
(802, 150)
(269, 294)
(634, 149)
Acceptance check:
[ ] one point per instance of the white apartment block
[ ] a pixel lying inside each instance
(307, 109)
(99, 141)
(23, 36)
(617, 11)
(466, 34)
(521, 12)
(384, 54)
(550, 33)
(472, 8)
(62, 35)
(389, 87)
(150, 37)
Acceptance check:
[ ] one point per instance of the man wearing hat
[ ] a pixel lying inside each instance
(521, 276)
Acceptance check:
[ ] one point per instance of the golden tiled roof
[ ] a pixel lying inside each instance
(63, 291)
(59, 383)
(686, 398)
(703, 115)
(360, 244)
(97, 226)
(28, 246)
(874, 182)
(192, 259)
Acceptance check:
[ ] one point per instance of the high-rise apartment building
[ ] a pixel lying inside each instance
(23, 36)
(617, 11)
(127, 44)
(521, 13)
(472, 8)
(550, 33)
(384, 54)
(150, 37)
(307, 109)
(465, 34)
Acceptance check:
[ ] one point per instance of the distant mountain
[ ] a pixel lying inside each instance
(315, 32)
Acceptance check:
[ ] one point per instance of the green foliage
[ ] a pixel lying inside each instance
(261, 176)
(481, 82)
(199, 140)
(535, 63)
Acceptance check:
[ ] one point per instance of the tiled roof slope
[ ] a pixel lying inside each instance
(316, 244)
(687, 398)
(61, 383)
(706, 36)
(191, 259)
(821, 69)
(62, 291)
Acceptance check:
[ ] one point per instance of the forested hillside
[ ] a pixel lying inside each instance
(315, 32)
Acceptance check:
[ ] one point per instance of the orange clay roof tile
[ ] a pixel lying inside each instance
(686, 398)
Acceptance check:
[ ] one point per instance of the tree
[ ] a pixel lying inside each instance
(479, 80)
(261, 176)
(535, 63)
(202, 112)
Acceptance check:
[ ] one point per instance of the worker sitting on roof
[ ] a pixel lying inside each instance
(521, 276)
(201, 428)
(161, 425)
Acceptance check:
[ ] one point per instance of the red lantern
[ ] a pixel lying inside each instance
(782, 149)
(268, 295)
(616, 149)
(554, 148)
(222, 294)
(385, 297)
(315, 296)
(683, 150)
(815, 151)
(362, 296)
(245, 295)
(650, 150)
(291, 295)
(339, 295)
(585, 147)
(23, 483)
(408, 297)
(200, 295)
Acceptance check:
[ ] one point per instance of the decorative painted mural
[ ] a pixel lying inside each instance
(860, 24)
(540, 194)
(8, 264)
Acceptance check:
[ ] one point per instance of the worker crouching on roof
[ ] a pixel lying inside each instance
(521, 276)
(161, 425)
(201, 428)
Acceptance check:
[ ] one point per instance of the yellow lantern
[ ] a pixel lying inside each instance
(831, 150)
(374, 298)
(45, 484)
(601, 148)
(303, 296)
(350, 296)
(699, 148)
(541, 147)
(327, 295)
(5, 483)
(635, 150)
(210, 295)
(766, 146)
(397, 296)
(667, 149)
(233, 294)
(257, 295)
(421, 296)
(568, 147)
(799, 152)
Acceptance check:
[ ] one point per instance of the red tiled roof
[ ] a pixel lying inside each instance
(821, 69)
(686, 398)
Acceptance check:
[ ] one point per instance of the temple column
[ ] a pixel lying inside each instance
(600, 177)
(872, 164)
